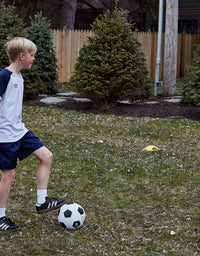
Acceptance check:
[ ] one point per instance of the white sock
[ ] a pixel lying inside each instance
(41, 195)
(2, 212)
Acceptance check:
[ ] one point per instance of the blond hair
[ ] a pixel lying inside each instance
(18, 45)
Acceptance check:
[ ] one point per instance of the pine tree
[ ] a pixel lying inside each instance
(191, 88)
(42, 78)
(111, 66)
(11, 26)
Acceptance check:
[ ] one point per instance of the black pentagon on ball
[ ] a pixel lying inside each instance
(80, 210)
(76, 224)
(62, 225)
(67, 213)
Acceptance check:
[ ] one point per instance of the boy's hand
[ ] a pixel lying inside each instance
(0, 98)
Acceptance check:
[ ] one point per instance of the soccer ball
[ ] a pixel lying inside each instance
(71, 216)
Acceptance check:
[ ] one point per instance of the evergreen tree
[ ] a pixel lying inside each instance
(42, 78)
(112, 65)
(11, 26)
(191, 88)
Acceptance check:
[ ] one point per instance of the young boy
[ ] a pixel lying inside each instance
(15, 140)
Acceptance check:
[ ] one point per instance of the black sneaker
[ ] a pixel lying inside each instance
(49, 205)
(6, 224)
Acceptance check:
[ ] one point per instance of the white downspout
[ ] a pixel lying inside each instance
(159, 46)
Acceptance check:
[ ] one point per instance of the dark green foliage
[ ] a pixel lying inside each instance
(11, 26)
(191, 88)
(42, 78)
(112, 66)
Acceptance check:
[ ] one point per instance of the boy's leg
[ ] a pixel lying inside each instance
(7, 179)
(45, 157)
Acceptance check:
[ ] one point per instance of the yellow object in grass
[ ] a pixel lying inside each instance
(151, 148)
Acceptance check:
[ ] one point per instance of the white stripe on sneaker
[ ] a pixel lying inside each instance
(4, 226)
(52, 204)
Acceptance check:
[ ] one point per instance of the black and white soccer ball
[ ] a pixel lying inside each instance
(71, 216)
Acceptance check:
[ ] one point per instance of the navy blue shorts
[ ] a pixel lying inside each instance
(10, 152)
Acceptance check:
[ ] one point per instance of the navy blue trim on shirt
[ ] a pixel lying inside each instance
(4, 80)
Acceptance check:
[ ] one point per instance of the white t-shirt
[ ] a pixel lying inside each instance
(11, 90)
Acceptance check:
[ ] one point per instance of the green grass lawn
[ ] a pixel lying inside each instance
(137, 202)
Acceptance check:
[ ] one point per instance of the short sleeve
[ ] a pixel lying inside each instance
(4, 80)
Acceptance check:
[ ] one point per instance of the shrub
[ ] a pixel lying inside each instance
(191, 88)
(42, 78)
(112, 65)
(11, 26)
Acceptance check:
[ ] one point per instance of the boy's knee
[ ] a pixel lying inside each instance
(49, 157)
(44, 155)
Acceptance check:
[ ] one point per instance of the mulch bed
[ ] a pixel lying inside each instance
(162, 109)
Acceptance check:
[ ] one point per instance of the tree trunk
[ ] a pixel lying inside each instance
(68, 14)
(170, 53)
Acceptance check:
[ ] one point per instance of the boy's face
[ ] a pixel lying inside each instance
(27, 60)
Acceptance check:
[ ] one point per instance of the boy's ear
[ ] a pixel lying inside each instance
(21, 56)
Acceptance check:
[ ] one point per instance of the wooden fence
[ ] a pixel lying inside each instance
(67, 45)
